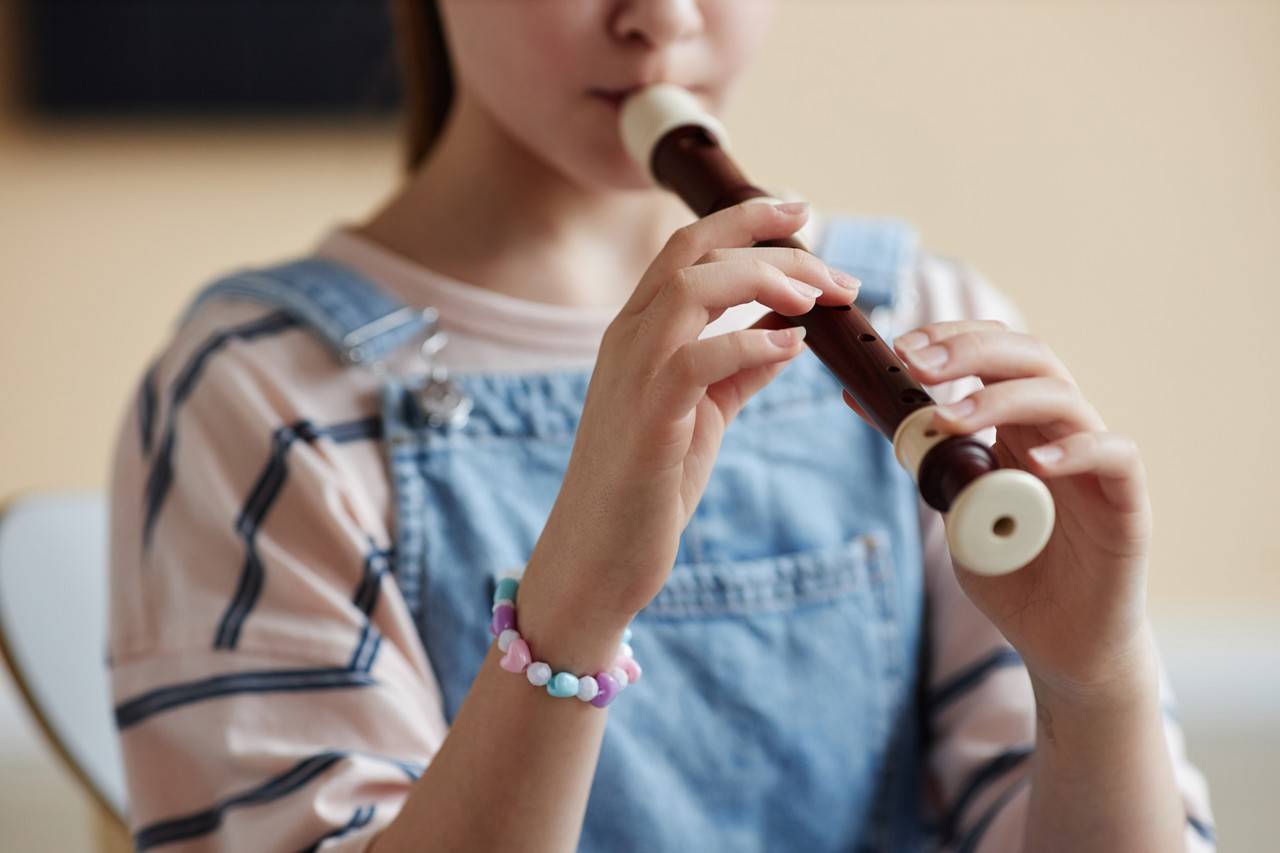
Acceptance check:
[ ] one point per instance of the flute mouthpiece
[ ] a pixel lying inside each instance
(654, 111)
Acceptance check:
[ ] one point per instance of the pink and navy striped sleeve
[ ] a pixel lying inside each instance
(270, 688)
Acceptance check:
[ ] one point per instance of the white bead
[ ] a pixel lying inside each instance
(626, 650)
(620, 676)
(588, 688)
(499, 603)
(505, 638)
(538, 673)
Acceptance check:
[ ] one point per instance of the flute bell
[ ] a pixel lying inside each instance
(1000, 522)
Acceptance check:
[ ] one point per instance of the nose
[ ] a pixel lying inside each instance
(657, 23)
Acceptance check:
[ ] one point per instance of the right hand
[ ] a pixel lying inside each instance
(659, 399)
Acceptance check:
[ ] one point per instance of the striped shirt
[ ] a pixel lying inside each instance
(248, 477)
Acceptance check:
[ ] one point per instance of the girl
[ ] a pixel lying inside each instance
(313, 530)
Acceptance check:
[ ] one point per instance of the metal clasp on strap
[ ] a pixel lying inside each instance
(443, 402)
(353, 350)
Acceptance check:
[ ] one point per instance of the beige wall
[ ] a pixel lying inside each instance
(1113, 166)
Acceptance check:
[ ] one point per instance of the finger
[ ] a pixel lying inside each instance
(990, 354)
(853, 404)
(697, 293)
(701, 363)
(838, 287)
(934, 332)
(732, 393)
(1113, 459)
(1039, 400)
(737, 226)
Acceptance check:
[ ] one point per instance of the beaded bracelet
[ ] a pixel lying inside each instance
(599, 689)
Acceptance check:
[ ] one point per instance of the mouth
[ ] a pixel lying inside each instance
(616, 97)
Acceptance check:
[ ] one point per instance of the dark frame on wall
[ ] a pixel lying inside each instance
(206, 57)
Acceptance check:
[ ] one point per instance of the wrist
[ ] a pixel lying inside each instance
(565, 626)
(591, 570)
(1117, 699)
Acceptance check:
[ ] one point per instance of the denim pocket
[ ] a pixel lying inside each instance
(765, 710)
(859, 566)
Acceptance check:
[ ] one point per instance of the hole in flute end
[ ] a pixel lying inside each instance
(930, 433)
(1004, 526)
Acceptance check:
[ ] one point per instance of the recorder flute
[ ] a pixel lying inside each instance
(997, 519)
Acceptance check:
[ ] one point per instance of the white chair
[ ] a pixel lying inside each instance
(53, 599)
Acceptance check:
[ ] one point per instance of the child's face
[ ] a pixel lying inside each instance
(537, 66)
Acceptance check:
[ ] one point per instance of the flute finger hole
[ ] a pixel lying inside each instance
(865, 338)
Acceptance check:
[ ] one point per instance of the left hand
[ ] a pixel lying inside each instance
(1077, 612)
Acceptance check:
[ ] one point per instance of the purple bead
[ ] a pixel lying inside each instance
(503, 618)
(608, 689)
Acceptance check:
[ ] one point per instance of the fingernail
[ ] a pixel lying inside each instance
(806, 289)
(843, 279)
(1046, 454)
(959, 409)
(792, 207)
(911, 340)
(786, 337)
(928, 358)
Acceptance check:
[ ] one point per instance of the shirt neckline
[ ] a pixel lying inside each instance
(564, 331)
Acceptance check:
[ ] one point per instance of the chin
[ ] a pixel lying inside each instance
(612, 169)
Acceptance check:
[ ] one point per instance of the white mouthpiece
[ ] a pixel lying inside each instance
(655, 111)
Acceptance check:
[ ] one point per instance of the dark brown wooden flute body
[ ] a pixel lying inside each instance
(689, 162)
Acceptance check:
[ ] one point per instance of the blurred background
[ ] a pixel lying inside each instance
(1112, 165)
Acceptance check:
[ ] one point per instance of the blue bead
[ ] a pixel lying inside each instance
(506, 589)
(626, 635)
(563, 685)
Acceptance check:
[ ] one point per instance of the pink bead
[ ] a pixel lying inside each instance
(517, 656)
(504, 617)
(630, 667)
(608, 689)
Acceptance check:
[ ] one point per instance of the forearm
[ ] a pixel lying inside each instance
(1102, 778)
(515, 770)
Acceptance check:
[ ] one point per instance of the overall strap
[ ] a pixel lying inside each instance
(356, 319)
(878, 251)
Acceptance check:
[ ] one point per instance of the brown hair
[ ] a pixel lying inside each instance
(425, 73)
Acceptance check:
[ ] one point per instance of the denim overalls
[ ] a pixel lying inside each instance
(778, 708)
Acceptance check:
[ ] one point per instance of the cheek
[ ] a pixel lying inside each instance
(513, 50)
(525, 67)
(737, 29)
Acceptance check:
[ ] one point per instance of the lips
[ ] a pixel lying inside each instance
(615, 97)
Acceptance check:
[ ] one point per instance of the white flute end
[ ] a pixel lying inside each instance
(655, 111)
(1000, 522)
